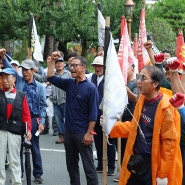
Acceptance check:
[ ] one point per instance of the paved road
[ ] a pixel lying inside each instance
(54, 165)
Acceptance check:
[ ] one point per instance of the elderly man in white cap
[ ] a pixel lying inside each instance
(98, 79)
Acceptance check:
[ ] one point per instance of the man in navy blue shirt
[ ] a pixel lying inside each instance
(80, 118)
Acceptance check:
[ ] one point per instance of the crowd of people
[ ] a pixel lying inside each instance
(152, 128)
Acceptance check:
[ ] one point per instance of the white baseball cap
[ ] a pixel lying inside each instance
(14, 62)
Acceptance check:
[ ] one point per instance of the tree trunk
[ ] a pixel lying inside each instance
(62, 46)
(84, 47)
(49, 46)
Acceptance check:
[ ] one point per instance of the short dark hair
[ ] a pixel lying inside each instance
(156, 75)
(166, 51)
(83, 60)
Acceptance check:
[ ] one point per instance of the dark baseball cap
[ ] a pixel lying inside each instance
(59, 60)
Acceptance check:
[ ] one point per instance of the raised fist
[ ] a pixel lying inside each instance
(55, 55)
(159, 58)
(148, 44)
(173, 64)
(2, 53)
(177, 100)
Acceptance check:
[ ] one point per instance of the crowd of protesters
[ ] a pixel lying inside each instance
(152, 129)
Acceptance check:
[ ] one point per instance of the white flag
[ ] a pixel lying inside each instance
(101, 29)
(36, 48)
(115, 94)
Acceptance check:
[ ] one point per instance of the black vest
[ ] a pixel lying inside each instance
(14, 123)
(100, 89)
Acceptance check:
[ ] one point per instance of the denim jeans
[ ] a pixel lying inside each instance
(59, 113)
(35, 150)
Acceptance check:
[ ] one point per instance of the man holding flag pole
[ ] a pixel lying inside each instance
(152, 155)
(127, 63)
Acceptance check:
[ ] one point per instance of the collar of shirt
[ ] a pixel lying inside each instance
(13, 91)
(33, 82)
(99, 79)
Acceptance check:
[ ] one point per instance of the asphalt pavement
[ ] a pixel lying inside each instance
(54, 165)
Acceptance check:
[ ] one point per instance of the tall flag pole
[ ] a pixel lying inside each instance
(105, 44)
(30, 38)
(143, 57)
(34, 46)
(101, 27)
(125, 53)
(180, 48)
(135, 45)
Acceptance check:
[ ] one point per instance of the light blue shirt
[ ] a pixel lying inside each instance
(40, 91)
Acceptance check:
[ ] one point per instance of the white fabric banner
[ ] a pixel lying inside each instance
(101, 29)
(115, 94)
(35, 44)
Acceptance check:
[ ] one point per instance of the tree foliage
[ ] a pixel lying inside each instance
(76, 20)
(163, 34)
(170, 10)
(164, 20)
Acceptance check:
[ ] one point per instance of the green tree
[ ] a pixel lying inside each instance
(163, 34)
(163, 20)
(170, 10)
(66, 20)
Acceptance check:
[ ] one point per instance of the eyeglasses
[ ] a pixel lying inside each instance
(141, 77)
(6, 77)
(75, 65)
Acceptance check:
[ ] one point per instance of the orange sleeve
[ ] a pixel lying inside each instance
(120, 130)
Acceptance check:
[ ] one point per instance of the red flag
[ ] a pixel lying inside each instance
(125, 53)
(180, 49)
(143, 57)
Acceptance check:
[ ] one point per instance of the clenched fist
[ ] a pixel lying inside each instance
(173, 64)
(159, 58)
(177, 100)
